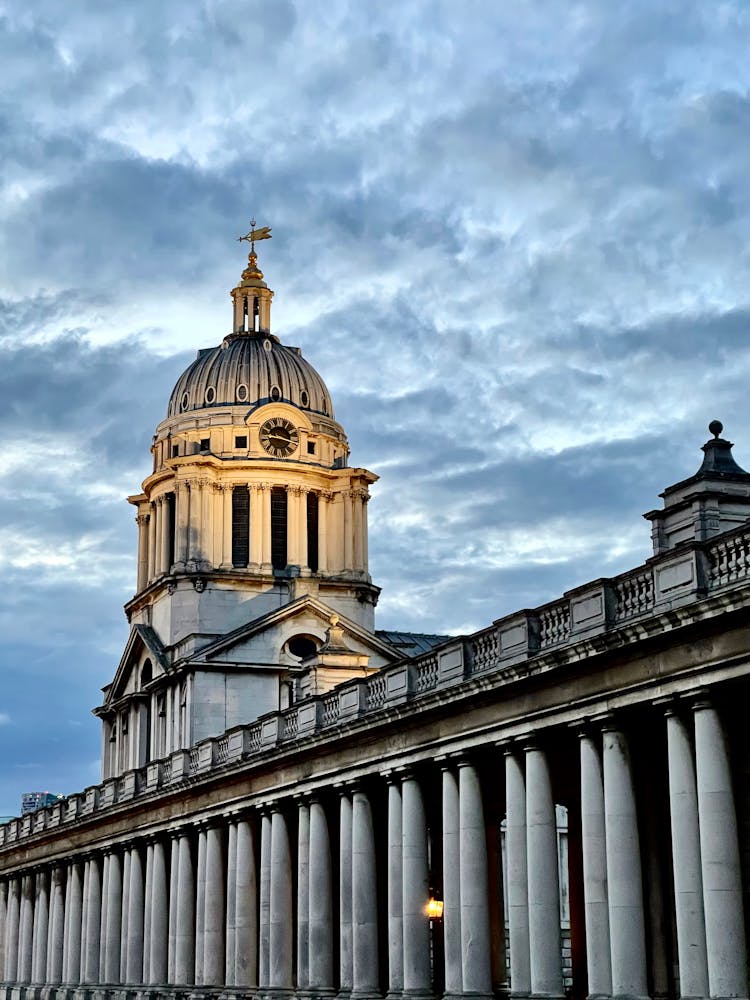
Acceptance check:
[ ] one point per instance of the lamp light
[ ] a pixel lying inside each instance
(434, 908)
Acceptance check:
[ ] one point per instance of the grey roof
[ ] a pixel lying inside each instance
(412, 643)
(243, 371)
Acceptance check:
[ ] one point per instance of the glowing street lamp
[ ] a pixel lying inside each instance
(434, 908)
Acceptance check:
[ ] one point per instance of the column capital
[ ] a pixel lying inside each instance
(142, 519)
(699, 699)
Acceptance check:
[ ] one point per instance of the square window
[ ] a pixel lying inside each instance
(310, 447)
(240, 440)
(175, 450)
(205, 444)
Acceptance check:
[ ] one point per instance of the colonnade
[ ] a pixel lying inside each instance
(327, 891)
(192, 526)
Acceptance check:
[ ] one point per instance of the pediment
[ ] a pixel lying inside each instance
(142, 648)
(263, 642)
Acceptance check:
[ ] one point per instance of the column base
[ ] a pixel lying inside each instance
(366, 995)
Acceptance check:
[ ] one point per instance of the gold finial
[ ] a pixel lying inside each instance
(264, 233)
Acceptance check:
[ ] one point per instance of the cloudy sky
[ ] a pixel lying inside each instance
(513, 238)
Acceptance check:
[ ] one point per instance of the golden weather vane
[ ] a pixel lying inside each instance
(264, 233)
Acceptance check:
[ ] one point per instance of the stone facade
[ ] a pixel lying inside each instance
(292, 848)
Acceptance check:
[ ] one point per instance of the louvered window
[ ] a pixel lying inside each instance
(240, 526)
(278, 528)
(312, 531)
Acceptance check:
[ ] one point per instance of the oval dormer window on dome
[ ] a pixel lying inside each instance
(304, 399)
(210, 394)
(242, 393)
(275, 393)
(185, 401)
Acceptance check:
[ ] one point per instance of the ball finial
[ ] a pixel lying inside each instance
(716, 427)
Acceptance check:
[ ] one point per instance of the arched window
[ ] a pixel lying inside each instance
(147, 672)
(278, 527)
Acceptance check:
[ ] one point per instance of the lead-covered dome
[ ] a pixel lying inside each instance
(250, 369)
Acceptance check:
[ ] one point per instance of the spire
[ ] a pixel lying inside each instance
(252, 297)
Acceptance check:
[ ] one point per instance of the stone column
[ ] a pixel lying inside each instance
(475, 912)
(93, 921)
(323, 498)
(451, 885)
(165, 533)
(144, 539)
(185, 945)
(364, 899)
(25, 940)
(113, 909)
(104, 916)
(686, 860)
(213, 928)
(345, 893)
(415, 889)
(594, 869)
(720, 860)
(304, 555)
(266, 528)
(543, 877)
(57, 927)
(624, 881)
(174, 883)
(395, 888)
(364, 531)
(12, 929)
(182, 501)
(124, 916)
(348, 532)
(264, 936)
(155, 544)
(231, 925)
(303, 896)
(159, 917)
(207, 517)
(200, 909)
(226, 490)
(280, 910)
(320, 903)
(518, 892)
(147, 911)
(73, 924)
(41, 927)
(134, 968)
(3, 925)
(293, 495)
(246, 923)
(357, 507)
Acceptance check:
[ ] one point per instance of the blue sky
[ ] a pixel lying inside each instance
(513, 238)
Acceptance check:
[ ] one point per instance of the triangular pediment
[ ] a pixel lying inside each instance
(143, 644)
(262, 641)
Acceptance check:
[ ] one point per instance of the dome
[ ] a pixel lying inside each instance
(249, 370)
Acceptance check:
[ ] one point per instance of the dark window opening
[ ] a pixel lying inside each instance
(302, 646)
(312, 531)
(175, 450)
(275, 393)
(304, 398)
(171, 521)
(240, 526)
(147, 672)
(310, 447)
(278, 528)
(205, 444)
(240, 440)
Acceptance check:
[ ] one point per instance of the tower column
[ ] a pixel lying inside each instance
(146, 545)
(595, 899)
(293, 550)
(166, 528)
(265, 528)
(302, 528)
(320, 902)
(348, 531)
(624, 881)
(358, 501)
(207, 516)
(323, 497)
(720, 858)
(256, 526)
(226, 522)
(518, 892)
(182, 497)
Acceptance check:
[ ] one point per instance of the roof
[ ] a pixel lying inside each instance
(412, 643)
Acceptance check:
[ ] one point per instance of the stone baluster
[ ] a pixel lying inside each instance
(185, 941)
(246, 922)
(624, 880)
(415, 888)
(686, 859)
(303, 896)
(518, 891)
(280, 910)
(720, 857)
(213, 923)
(595, 899)
(475, 912)
(395, 888)
(365, 980)
(264, 936)
(320, 943)
(345, 893)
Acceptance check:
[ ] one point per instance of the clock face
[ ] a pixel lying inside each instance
(279, 437)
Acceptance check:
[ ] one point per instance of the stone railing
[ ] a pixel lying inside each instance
(510, 648)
